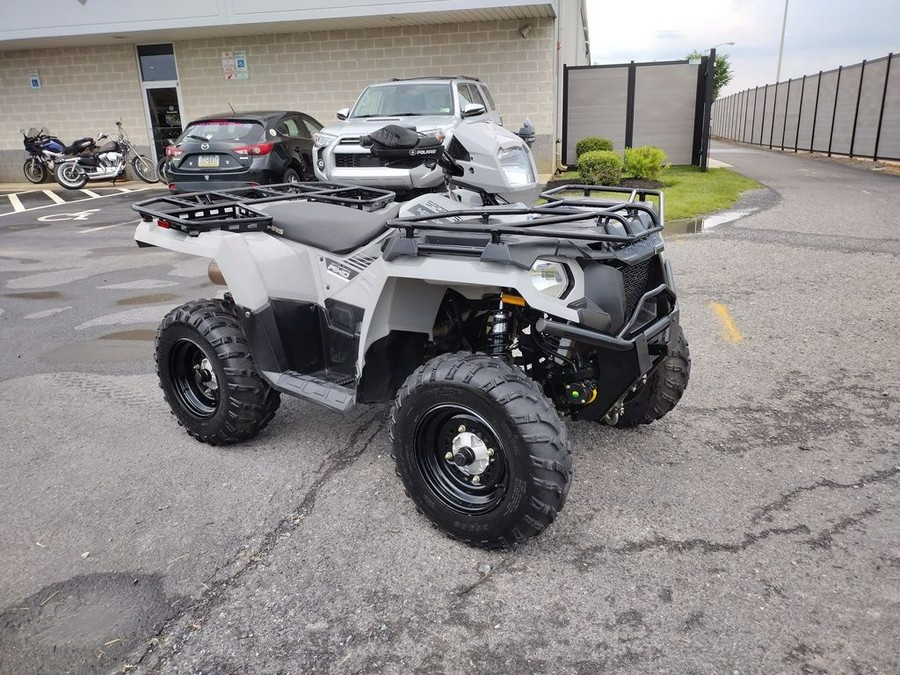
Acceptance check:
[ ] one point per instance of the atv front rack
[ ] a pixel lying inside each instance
(232, 210)
(590, 216)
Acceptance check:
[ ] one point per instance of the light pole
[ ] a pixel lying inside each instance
(721, 44)
(781, 47)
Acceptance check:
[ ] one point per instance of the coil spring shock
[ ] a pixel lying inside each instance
(500, 337)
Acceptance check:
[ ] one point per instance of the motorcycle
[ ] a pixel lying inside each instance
(46, 150)
(106, 163)
(484, 320)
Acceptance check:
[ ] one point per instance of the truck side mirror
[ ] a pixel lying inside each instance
(343, 113)
(473, 110)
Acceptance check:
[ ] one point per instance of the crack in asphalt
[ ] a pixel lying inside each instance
(332, 464)
(825, 538)
(706, 546)
(782, 503)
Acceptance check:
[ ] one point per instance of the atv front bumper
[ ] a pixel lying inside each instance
(621, 362)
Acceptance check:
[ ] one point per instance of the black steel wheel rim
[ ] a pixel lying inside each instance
(433, 439)
(193, 379)
(34, 170)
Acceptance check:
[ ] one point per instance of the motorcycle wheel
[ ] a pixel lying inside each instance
(161, 170)
(34, 170)
(144, 169)
(71, 176)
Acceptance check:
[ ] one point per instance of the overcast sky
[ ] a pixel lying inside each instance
(821, 34)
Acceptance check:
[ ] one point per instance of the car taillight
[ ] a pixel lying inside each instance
(258, 149)
(173, 151)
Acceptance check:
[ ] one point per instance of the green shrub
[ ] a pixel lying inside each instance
(600, 167)
(647, 162)
(592, 143)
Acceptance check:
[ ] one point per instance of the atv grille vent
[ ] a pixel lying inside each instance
(636, 278)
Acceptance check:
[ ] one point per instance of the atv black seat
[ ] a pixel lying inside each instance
(328, 227)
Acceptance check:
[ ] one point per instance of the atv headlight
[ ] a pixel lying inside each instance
(549, 277)
(321, 139)
(516, 166)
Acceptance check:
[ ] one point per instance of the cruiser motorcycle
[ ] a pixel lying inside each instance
(106, 163)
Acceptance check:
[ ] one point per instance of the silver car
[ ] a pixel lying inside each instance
(431, 105)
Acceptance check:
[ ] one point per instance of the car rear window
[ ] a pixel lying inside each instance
(239, 131)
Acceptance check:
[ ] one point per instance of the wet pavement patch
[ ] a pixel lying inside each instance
(87, 624)
(35, 295)
(122, 347)
(150, 299)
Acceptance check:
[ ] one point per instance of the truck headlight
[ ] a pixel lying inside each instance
(516, 166)
(549, 277)
(321, 139)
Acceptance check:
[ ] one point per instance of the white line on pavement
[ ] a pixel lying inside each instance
(89, 193)
(106, 227)
(48, 206)
(55, 197)
(47, 313)
(17, 205)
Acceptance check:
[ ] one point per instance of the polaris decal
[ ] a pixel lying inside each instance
(340, 270)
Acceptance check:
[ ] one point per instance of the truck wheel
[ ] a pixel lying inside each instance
(480, 450)
(664, 386)
(208, 376)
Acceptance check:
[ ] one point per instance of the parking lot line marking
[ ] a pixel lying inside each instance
(105, 227)
(90, 194)
(50, 206)
(17, 205)
(732, 332)
(55, 197)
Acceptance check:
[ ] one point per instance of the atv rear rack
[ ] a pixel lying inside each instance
(232, 210)
(593, 214)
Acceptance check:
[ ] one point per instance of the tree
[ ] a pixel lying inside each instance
(722, 74)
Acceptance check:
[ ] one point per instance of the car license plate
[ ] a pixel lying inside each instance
(208, 161)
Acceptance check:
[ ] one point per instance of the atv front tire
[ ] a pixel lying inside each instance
(480, 450)
(208, 376)
(664, 386)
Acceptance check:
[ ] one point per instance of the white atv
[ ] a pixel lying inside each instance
(485, 322)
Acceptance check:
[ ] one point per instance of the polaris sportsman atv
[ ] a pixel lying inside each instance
(485, 321)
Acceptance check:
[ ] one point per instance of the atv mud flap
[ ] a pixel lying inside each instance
(621, 362)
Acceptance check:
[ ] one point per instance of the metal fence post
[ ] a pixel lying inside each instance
(762, 122)
(707, 108)
(753, 120)
(774, 113)
(837, 93)
(812, 138)
(800, 113)
(787, 103)
(887, 79)
(862, 77)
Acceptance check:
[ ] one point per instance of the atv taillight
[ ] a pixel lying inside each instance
(163, 224)
(257, 149)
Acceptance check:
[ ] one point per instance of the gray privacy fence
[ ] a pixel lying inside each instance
(853, 111)
(661, 103)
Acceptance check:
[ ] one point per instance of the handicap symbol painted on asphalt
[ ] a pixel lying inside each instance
(56, 217)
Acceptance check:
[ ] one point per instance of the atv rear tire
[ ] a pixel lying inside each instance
(664, 386)
(208, 376)
(516, 445)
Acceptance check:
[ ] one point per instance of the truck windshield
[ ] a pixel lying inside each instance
(405, 99)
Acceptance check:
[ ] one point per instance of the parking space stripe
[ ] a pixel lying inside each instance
(84, 199)
(90, 194)
(732, 332)
(55, 197)
(16, 203)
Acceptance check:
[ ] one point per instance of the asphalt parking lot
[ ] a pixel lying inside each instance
(753, 530)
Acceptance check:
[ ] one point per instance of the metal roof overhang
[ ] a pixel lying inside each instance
(271, 22)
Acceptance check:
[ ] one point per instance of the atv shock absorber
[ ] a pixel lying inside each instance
(500, 337)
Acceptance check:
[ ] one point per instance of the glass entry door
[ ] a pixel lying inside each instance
(164, 113)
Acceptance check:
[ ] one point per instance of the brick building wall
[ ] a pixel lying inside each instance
(88, 88)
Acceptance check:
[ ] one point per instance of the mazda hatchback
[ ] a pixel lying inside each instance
(242, 149)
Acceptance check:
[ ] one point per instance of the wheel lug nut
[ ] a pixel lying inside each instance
(490, 452)
(476, 479)
(461, 429)
(448, 456)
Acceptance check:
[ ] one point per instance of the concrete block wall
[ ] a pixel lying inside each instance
(84, 90)
(88, 88)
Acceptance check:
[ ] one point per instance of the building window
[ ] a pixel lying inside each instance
(157, 62)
